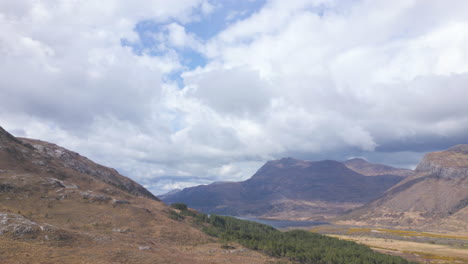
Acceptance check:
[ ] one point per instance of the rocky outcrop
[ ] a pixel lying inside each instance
(463, 149)
(437, 170)
(449, 164)
(6, 137)
(18, 226)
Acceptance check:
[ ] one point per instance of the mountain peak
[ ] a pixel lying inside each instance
(356, 160)
(364, 167)
(43, 157)
(288, 161)
(452, 163)
(462, 148)
(285, 163)
(7, 137)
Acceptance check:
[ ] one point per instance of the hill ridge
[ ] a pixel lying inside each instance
(435, 197)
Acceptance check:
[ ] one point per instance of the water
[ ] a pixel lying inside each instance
(283, 223)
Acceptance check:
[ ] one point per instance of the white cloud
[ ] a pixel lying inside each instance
(236, 90)
(316, 78)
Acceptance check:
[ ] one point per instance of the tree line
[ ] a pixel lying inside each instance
(297, 245)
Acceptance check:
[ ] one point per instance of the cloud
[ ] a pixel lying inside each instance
(182, 93)
(236, 91)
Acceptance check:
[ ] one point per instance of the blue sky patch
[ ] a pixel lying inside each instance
(225, 13)
(153, 35)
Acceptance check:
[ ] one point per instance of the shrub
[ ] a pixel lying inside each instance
(179, 206)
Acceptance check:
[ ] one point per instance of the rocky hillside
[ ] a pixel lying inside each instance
(436, 196)
(57, 206)
(30, 154)
(53, 154)
(290, 189)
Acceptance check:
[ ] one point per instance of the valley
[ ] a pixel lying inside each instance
(57, 206)
(233, 132)
(418, 246)
(420, 215)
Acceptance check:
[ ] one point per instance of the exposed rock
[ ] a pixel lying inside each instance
(143, 247)
(61, 184)
(439, 169)
(95, 197)
(460, 149)
(120, 230)
(18, 226)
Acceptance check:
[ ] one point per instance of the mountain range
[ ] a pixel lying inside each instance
(289, 188)
(432, 197)
(57, 206)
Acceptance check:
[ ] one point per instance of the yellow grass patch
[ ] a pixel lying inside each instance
(422, 251)
(403, 233)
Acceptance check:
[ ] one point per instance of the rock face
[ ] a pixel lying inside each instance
(435, 196)
(450, 164)
(290, 189)
(18, 226)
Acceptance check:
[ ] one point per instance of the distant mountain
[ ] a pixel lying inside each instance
(371, 169)
(172, 192)
(290, 189)
(435, 196)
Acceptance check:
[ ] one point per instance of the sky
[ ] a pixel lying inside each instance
(186, 92)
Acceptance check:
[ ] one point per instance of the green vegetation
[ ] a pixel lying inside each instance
(297, 245)
(179, 206)
(184, 211)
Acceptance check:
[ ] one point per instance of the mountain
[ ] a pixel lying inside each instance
(289, 189)
(68, 159)
(57, 206)
(435, 197)
(371, 169)
(172, 192)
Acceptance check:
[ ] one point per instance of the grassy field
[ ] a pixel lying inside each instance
(424, 247)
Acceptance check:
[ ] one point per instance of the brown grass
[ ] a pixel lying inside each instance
(90, 231)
